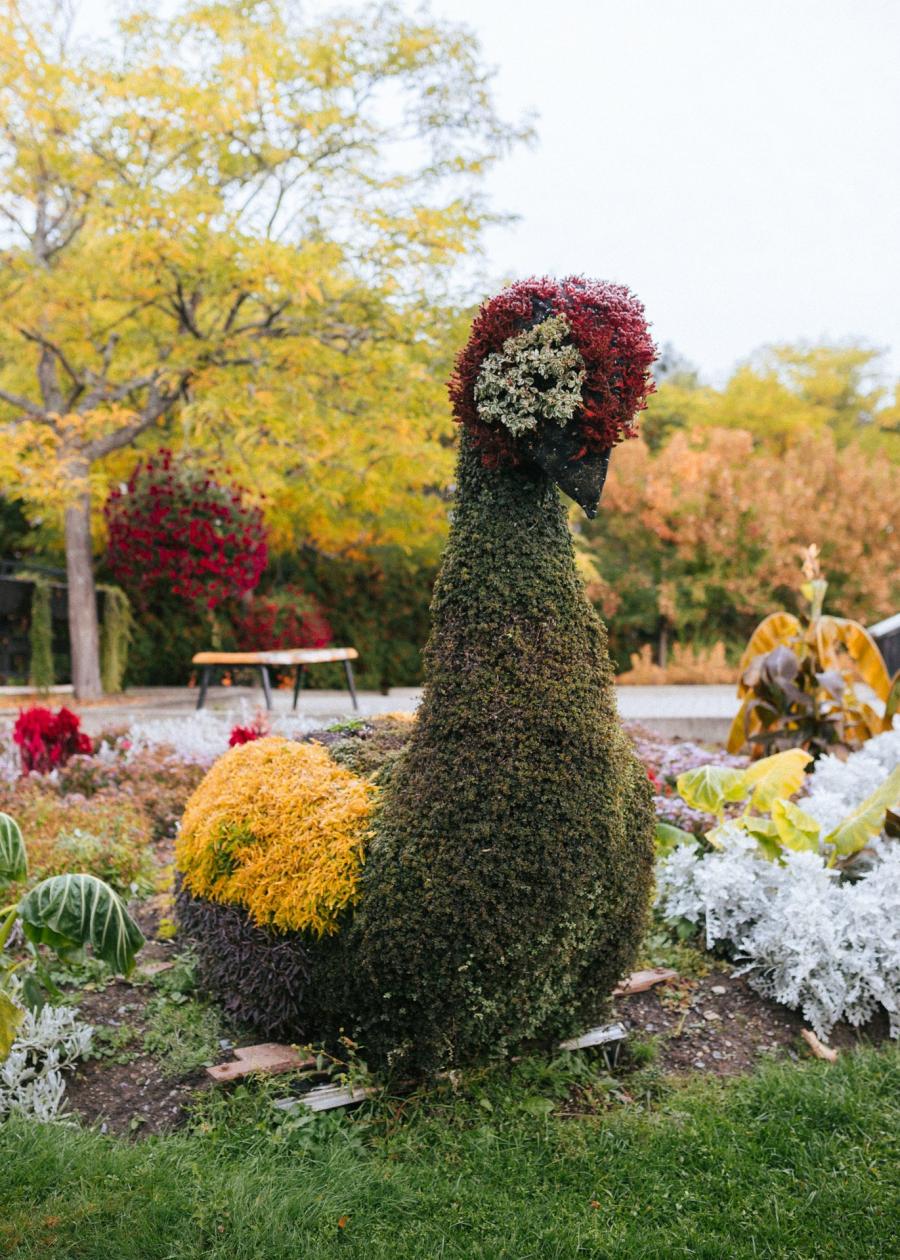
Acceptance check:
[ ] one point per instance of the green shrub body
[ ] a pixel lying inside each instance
(507, 882)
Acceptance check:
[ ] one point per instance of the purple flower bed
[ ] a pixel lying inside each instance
(665, 760)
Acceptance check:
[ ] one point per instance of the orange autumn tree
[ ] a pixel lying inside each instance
(241, 221)
(701, 539)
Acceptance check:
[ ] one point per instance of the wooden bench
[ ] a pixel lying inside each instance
(295, 658)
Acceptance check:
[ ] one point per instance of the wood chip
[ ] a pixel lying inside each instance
(326, 1098)
(817, 1047)
(269, 1057)
(154, 968)
(595, 1037)
(640, 981)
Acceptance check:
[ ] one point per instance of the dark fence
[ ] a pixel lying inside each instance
(15, 622)
(887, 635)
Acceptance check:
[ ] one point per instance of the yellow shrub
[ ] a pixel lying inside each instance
(278, 828)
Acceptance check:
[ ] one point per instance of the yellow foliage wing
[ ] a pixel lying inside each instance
(777, 776)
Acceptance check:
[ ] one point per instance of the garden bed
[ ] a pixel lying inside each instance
(155, 1034)
(707, 1023)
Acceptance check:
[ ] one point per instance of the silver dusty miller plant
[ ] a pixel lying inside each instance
(31, 1077)
(804, 936)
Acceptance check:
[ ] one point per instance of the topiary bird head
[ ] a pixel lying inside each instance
(554, 375)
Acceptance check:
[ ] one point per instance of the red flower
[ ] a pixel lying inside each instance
(47, 740)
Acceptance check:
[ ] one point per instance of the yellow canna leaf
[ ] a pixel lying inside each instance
(710, 787)
(777, 776)
(832, 632)
(795, 828)
(867, 820)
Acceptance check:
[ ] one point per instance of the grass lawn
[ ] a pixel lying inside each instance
(797, 1160)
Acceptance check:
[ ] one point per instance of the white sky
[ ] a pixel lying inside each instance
(736, 162)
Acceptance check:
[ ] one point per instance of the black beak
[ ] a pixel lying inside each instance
(556, 452)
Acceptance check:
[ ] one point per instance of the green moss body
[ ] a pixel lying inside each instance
(508, 880)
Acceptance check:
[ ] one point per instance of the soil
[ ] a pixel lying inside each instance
(718, 1025)
(133, 1096)
(715, 1026)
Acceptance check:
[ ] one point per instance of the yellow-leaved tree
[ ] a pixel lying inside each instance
(242, 225)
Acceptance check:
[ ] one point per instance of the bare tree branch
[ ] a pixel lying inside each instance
(156, 406)
(52, 348)
(30, 408)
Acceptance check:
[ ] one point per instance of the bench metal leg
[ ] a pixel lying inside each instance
(267, 690)
(204, 683)
(348, 670)
(298, 684)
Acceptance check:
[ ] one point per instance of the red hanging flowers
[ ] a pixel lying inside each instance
(177, 531)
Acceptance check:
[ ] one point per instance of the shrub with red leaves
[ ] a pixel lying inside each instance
(609, 329)
(47, 740)
(176, 531)
(287, 619)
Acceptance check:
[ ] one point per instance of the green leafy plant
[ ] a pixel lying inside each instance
(40, 635)
(805, 685)
(182, 1033)
(770, 817)
(115, 637)
(66, 913)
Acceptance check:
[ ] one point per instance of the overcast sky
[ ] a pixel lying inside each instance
(736, 162)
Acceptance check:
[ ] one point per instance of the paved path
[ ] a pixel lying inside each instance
(702, 713)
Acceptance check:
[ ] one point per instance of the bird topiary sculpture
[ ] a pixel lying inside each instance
(508, 860)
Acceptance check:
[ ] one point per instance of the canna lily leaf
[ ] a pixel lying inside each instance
(780, 667)
(835, 632)
(778, 629)
(669, 837)
(11, 1016)
(832, 681)
(13, 862)
(67, 912)
(867, 820)
(892, 704)
(777, 776)
(796, 829)
(710, 787)
(765, 833)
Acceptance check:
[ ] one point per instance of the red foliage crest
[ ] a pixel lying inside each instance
(608, 327)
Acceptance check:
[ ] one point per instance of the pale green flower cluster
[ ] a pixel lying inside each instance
(537, 376)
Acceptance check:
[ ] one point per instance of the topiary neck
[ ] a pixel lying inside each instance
(510, 551)
(503, 495)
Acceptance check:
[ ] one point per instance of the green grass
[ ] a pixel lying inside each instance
(796, 1161)
(184, 1036)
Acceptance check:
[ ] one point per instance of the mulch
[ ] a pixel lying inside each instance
(715, 1026)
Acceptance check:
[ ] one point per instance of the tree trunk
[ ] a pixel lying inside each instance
(84, 634)
(663, 645)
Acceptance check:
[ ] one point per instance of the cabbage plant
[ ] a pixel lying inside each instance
(66, 913)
